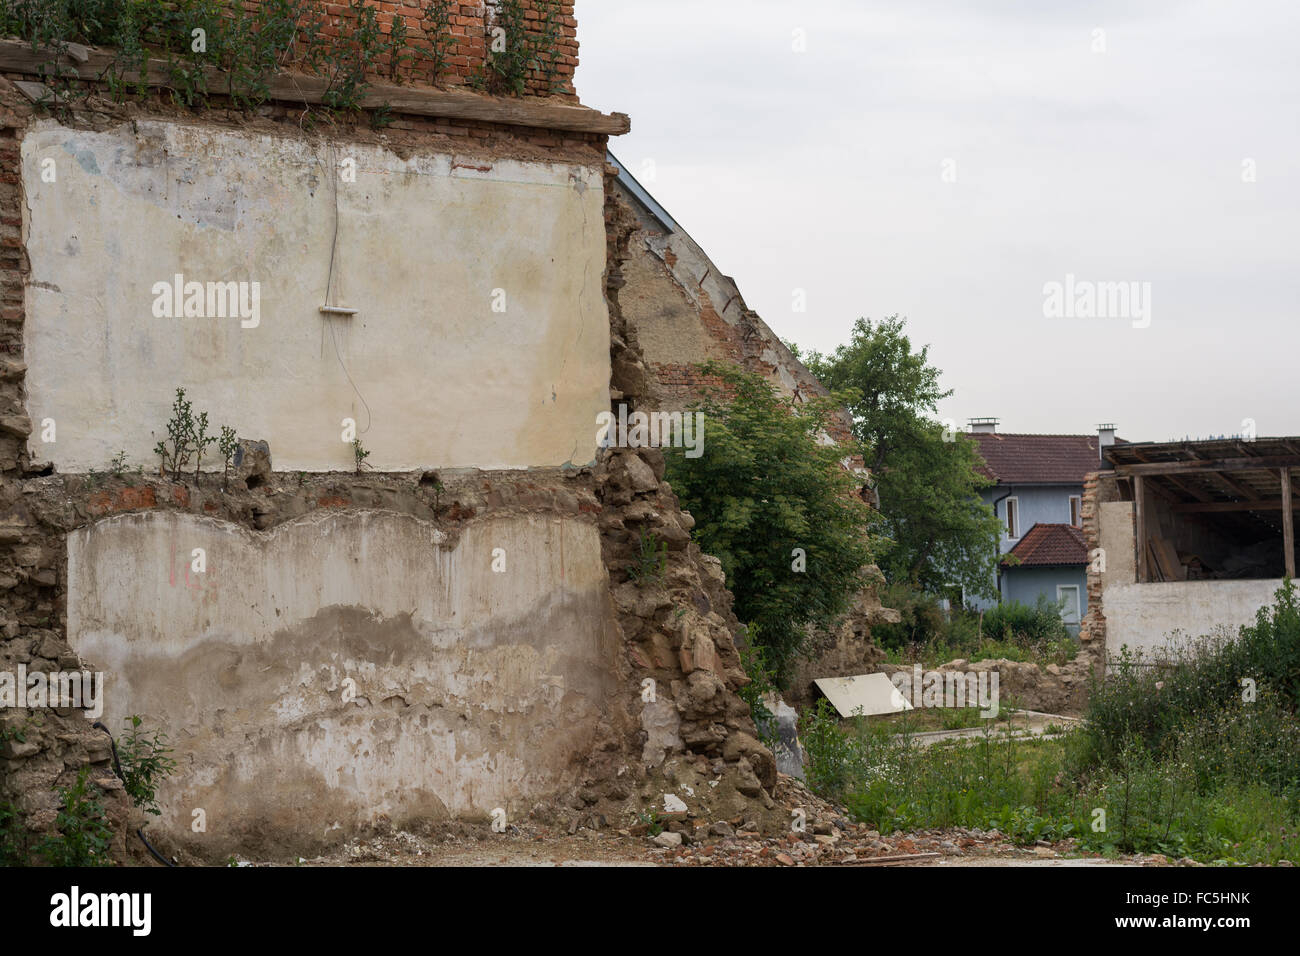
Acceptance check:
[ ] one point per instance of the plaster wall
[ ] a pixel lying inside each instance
(481, 338)
(1153, 617)
(347, 665)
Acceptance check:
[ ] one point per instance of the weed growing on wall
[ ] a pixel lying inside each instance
(513, 50)
(174, 451)
(359, 454)
(227, 444)
(651, 560)
(217, 46)
(188, 439)
(436, 26)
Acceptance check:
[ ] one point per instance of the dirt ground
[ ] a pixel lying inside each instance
(543, 846)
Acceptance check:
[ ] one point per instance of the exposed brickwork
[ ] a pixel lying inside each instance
(469, 27)
(1092, 629)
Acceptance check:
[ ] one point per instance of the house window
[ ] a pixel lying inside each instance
(1067, 595)
(1076, 513)
(1013, 517)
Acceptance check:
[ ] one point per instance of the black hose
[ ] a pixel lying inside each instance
(117, 768)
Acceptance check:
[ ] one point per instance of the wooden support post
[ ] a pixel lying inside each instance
(1140, 526)
(1288, 525)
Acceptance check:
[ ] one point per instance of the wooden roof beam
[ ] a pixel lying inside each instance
(17, 56)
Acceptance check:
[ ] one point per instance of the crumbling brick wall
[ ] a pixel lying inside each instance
(468, 28)
(688, 313)
(1098, 487)
(677, 631)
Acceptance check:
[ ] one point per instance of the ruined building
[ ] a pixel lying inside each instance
(405, 595)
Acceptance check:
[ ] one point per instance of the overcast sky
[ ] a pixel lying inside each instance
(831, 171)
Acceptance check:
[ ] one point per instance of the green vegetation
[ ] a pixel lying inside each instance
(83, 833)
(651, 560)
(938, 533)
(762, 680)
(1180, 760)
(514, 50)
(227, 444)
(926, 634)
(218, 47)
(145, 762)
(359, 454)
(773, 504)
(188, 438)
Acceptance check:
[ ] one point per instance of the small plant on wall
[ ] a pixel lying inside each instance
(651, 560)
(436, 26)
(359, 454)
(188, 439)
(513, 50)
(174, 451)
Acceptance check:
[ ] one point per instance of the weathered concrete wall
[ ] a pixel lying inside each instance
(1115, 522)
(431, 373)
(471, 688)
(1155, 616)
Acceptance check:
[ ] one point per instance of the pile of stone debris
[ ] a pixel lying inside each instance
(820, 833)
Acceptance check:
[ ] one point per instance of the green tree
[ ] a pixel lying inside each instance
(773, 503)
(927, 478)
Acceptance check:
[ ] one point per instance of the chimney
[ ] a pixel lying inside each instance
(983, 426)
(1105, 438)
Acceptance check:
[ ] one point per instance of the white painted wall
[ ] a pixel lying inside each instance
(1153, 616)
(474, 688)
(432, 375)
(1160, 615)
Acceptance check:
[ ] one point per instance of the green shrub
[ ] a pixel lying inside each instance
(83, 832)
(1025, 624)
(145, 762)
(764, 489)
(14, 838)
(1156, 699)
(834, 757)
(762, 679)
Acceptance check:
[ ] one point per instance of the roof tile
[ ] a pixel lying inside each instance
(1030, 459)
(1050, 545)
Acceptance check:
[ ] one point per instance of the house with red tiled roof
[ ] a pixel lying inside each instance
(1038, 496)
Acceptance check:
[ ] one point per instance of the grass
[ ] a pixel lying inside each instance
(1198, 758)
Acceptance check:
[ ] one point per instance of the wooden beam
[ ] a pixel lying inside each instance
(1288, 526)
(1185, 488)
(1220, 464)
(1223, 507)
(1140, 526)
(1168, 494)
(19, 57)
(1238, 488)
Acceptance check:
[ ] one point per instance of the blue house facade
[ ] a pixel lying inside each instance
(1038, 497)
